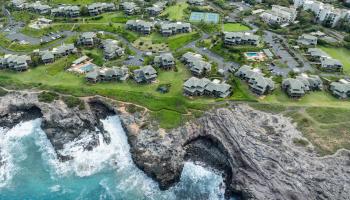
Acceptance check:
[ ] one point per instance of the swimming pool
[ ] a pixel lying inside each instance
(252, 54)
(88, 67)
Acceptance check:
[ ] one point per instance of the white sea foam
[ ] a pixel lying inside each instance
(127, 181)
(12, 151)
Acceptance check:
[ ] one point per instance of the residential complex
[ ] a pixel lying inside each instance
(324, 13)
(140, 26)
(15, 62)
(256, 80)
(87, 39)
(299, 86)
(165, 61)
(111, 49)
(240, 38)
(279, 15)
(196, 63)
(98, 8)
(129, 8)
(168, 29)
(108, 74)
(146, 74)
(203, 86)
(340, 89)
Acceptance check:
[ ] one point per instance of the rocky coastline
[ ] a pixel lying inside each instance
(253, 149)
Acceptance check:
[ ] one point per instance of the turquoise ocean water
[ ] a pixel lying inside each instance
(30, 170)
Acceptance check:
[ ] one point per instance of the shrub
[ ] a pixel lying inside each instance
(47, 97)
(72, 102)
(300, 142)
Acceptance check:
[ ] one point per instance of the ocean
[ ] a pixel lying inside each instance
(30, 170)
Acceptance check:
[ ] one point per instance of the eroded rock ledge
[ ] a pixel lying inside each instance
(60, 123)
(255, 150)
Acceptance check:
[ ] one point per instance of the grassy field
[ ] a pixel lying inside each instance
(235, 27)
(327, 128)
(156, 42)
(176, 12)
(53, 77)
(316, 99)
(23, 16)
(342, 54)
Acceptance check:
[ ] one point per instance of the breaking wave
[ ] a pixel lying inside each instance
(29, 166)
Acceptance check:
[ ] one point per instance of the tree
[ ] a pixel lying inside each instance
(305, 17)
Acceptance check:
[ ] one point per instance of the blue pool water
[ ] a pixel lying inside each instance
(88, 67)
(252, 54)
(30, 170)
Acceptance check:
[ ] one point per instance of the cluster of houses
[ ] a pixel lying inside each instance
(87, 39)
(156, 8)
(60, 51)
(340, 89)
(307, 40)
(297, 87)
(325, 62)
(111, 49)
(257, 82)
(196, 2)
(140, 26)
(240, 38)
(203, 86)
(164, 61)
(279, 15)
(146, 74)
(99, 8)
(129, 8)
(15, 62)
(323, 12)
(66, 11)
(166, 28)
(196, 63)
(108, 74)
(93, 9)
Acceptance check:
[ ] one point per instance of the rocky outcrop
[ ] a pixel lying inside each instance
(254, 149)
(60, 123)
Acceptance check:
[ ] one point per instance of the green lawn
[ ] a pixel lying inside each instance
(326, 127)
(24, 16)
(53, 77)
(316, 99)
(178, 41)
(176, 12)
(156, 42)
(342, 54)
(235, 27)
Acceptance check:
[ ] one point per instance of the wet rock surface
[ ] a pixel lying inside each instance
(60, 123)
